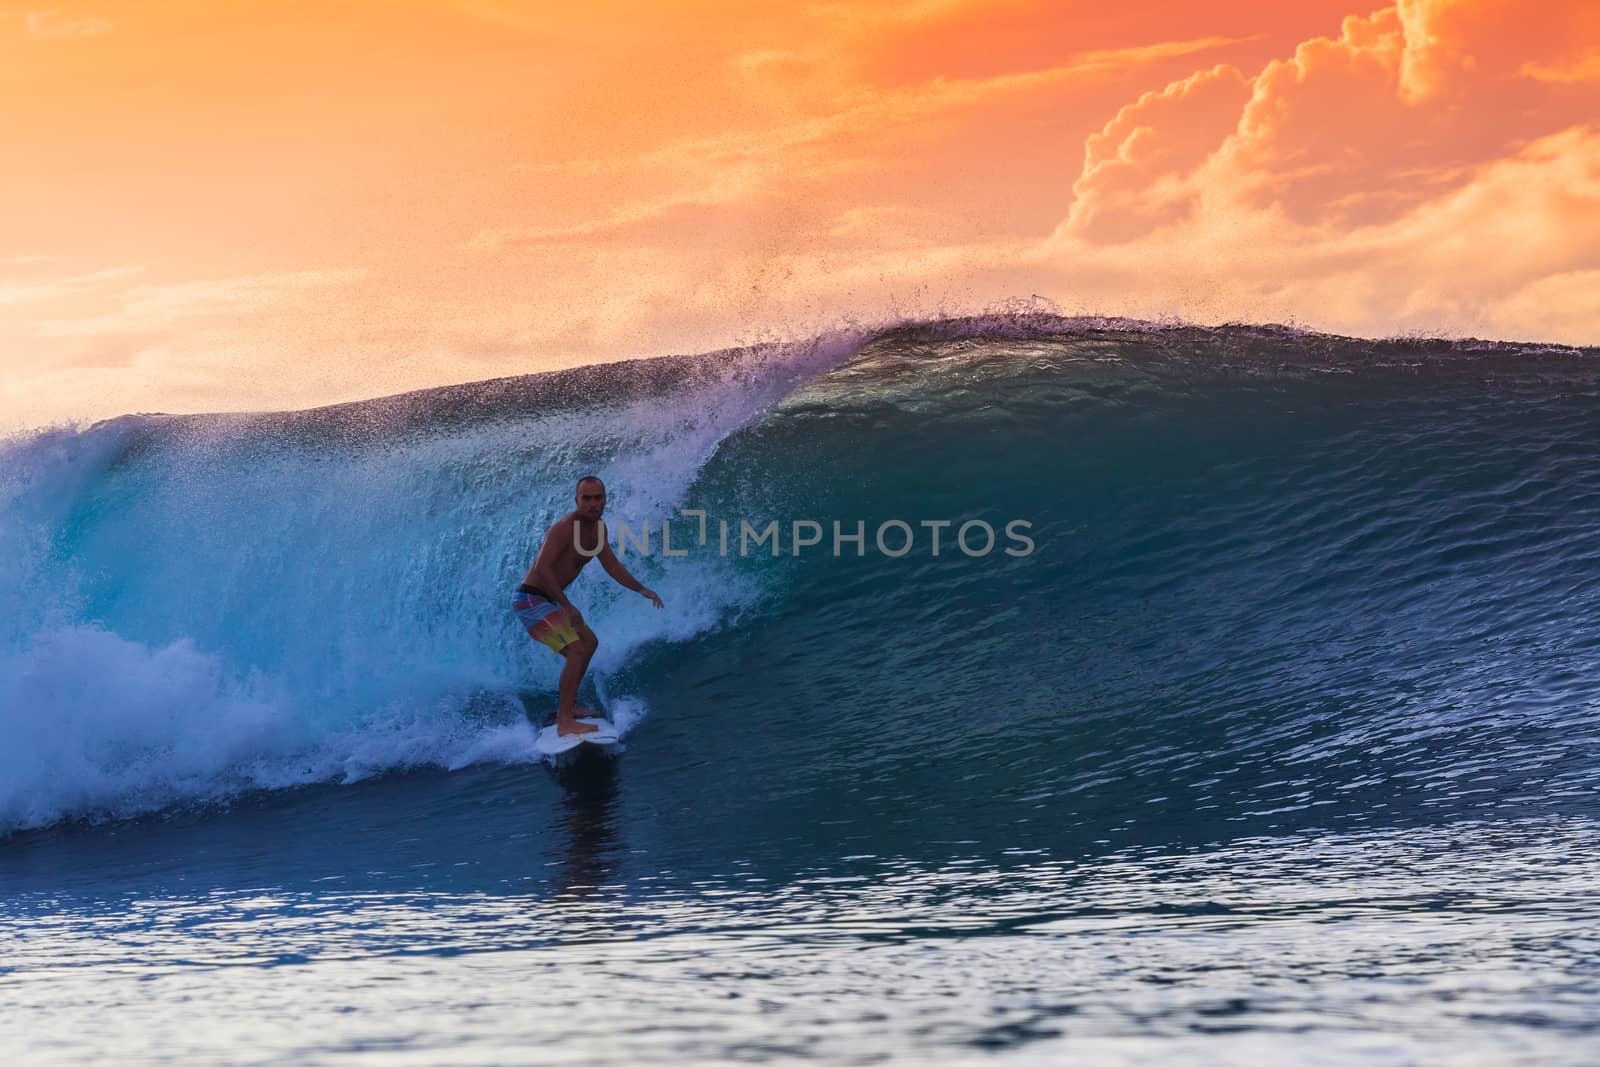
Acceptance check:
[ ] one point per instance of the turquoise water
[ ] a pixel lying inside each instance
(1280, 743)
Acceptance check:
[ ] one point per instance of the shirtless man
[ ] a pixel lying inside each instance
(541, 602)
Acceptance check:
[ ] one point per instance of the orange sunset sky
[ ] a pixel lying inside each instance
(228, 204)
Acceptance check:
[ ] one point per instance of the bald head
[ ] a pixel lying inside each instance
(591, 497)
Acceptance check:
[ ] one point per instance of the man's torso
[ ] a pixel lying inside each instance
(566, 561)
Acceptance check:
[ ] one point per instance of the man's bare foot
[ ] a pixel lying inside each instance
(568, 726)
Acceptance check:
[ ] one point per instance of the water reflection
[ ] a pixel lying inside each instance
(590, 783)
(1472, 942)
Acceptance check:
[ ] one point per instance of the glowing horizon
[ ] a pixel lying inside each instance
(257, 208)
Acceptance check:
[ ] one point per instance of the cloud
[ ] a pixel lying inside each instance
(61, 25)
(1473, 50)
(889, 226)
(867, 111)
(1369, 182)
(31, 292)
(1562, 304)
(888, 15)
(1585, 68)
(748, 169)
(499, 14)
(1469, 260)
(1132, 170)
(1517, 220)
(767, 62)
(663, 219)
(149, 309)
(1349, 131)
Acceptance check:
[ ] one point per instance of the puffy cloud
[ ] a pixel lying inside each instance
(1134, 169)
(1474, 260)
(1349, 131)
(1473, 51)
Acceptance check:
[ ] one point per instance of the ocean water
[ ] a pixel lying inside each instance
(1274, 736)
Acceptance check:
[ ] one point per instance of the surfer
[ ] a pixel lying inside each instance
(541, 602)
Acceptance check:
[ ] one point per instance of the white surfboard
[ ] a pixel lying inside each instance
(551, 743)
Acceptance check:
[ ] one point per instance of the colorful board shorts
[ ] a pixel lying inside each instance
(544, 619)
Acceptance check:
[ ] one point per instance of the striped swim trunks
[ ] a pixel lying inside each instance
(543, 618)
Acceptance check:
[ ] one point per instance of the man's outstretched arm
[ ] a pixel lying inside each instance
(619, 574)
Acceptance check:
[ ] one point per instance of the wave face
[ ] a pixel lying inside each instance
(1277, 580)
